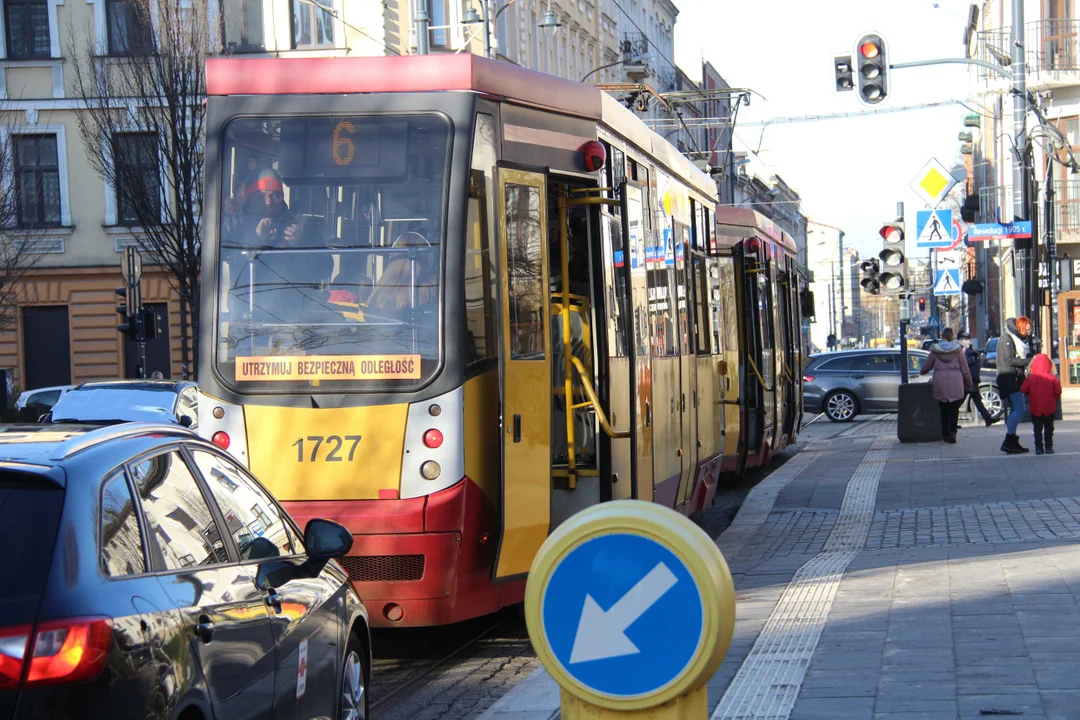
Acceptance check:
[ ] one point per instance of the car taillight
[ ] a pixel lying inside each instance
(808, 378)
(13, 641)
(433, 438)
(62, 651)
(221, 439)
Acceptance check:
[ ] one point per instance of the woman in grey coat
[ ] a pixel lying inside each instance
(1013, 356)
(951, 381)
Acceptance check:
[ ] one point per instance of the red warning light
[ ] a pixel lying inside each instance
(869, 50)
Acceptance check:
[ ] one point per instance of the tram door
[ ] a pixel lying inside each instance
(616, 266)
(791, 370)
(525, 372)
(636, 233)
(684, 400)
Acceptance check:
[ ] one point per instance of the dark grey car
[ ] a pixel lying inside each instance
(851, 382)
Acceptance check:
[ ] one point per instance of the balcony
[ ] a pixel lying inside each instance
(1052, 52)
(991, 199)
(635, 48)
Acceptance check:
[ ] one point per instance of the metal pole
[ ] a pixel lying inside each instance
(421, 20)
(843, 279)
(1019, 179)
(1051, 259)
(487, 29)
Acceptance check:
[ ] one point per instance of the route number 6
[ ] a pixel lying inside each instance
(344, 148)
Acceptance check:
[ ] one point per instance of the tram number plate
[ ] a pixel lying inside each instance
(326, 448)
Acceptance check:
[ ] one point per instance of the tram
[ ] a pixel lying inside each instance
(450, 302)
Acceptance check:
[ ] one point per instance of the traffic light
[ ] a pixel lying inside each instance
(872, 67)
(922, 304)
(870, 282)
(842, 67)
(127, 311)
(893, 276)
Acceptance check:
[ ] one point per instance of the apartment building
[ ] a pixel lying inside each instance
(1051, 35)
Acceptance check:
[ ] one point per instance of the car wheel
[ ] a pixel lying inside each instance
(991, 398)
(354, 679)
(841, 406)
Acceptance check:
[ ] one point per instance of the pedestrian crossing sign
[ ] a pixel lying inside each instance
(947, 282)
(934, 228)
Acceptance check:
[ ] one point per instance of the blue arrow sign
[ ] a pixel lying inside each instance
(622, 615)
(998, 231)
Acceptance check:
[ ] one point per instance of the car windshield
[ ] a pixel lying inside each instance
(330, 252)
(111, 404)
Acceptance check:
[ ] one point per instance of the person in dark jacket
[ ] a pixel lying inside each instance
(975, 370)
(1013, 357)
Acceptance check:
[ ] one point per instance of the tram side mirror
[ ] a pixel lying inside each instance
(806, 303)
(721, 367)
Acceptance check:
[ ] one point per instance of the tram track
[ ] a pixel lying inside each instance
(411, 663)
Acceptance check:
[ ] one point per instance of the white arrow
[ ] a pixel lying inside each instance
(602, 635)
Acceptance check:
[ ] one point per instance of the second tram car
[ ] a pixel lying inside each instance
(449, 302)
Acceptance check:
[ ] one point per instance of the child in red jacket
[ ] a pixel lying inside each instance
(1043, 390)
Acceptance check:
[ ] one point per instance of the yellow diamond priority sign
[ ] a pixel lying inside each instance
(933, 183)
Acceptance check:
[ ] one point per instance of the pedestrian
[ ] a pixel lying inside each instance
(951, 381)
(1043, 390)
(975, 371)
(1013, 357)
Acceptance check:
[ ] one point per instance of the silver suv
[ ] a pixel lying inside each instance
(846, 383)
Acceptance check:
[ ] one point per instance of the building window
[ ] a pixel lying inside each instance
(27, 23)
(37, 180)
(130, 29)
(439, 18)
(312, 26)
(138, 178)
(243, 26)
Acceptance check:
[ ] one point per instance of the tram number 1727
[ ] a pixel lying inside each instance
(334, 445)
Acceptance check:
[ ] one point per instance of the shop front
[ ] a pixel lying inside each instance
(1069, 339)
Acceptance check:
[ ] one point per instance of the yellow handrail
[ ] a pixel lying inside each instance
(587, 386)
(757, 374)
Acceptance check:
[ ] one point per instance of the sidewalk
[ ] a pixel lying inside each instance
(881, 580)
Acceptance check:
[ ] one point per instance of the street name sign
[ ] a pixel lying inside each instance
(934, 229)
(981, 232)
(933, 183)
(629, 606)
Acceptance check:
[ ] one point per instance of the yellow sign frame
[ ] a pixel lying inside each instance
(697, 551)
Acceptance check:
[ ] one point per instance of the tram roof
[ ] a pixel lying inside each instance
(500, 81)
(734, 224)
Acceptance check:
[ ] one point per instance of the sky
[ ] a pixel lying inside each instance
(850, 172)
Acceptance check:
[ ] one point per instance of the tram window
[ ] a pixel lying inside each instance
(330, 250)
(618, 293)
(480, 277)
(525, 279)
(701, 305)
(729, 306)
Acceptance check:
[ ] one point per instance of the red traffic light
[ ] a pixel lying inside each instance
(869, 50)
(922, 304)
(892, 233)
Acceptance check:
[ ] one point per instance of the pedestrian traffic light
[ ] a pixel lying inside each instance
(150, 324)
(842, 67)
(872, 68)
(870, 282)
(126, 310)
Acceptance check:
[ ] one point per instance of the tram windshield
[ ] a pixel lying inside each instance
(330, 247)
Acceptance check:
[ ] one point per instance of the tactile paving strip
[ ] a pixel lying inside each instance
(769, 679)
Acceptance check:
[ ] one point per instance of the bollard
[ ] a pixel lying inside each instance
(630, 607)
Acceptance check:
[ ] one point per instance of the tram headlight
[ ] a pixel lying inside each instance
(430, 470)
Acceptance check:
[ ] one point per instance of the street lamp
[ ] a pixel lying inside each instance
(550, 23)
(472, 18)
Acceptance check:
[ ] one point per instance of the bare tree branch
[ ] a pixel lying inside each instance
(144, 129)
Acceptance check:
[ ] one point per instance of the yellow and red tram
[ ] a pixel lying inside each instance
(449, 302)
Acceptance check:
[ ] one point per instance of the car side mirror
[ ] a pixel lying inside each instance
(326, 539)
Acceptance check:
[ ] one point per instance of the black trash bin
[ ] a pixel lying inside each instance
(918, 415)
